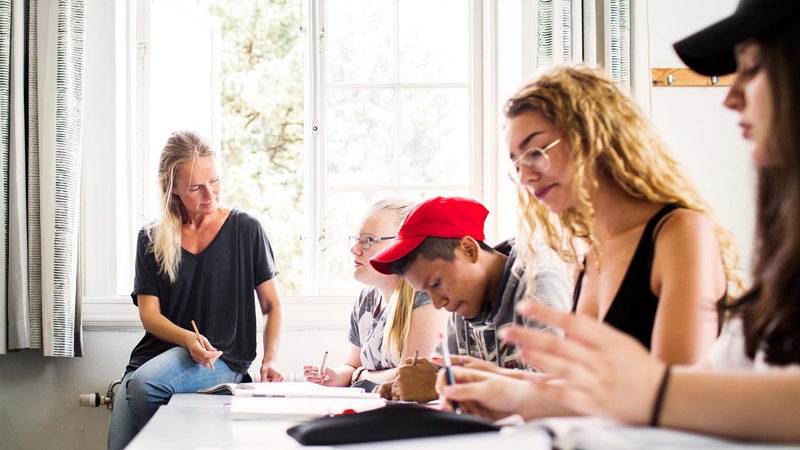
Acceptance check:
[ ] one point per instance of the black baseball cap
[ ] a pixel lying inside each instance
(710, 50)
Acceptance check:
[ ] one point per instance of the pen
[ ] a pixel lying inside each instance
(322, 366)
(448, 372)
(197, 333)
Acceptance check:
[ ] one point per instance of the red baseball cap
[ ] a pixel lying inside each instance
(445, 217)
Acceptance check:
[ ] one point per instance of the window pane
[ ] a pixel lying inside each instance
(359, 41)
(360, 136)
(433, 41)
(434, 136)
(262, 122)
(182, 35)
(403, 134)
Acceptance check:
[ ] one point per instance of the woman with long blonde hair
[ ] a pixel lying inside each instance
(390, 321)
(199, 268)
(592, 171)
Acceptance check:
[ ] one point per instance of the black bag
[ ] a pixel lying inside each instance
(387, 423)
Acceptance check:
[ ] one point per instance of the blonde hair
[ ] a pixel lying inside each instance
(608, 134)
(165, 232)
(401, 304)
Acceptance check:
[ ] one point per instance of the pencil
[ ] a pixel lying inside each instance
(197, 333)
(416, 354)
(322, 366)
(448, 372)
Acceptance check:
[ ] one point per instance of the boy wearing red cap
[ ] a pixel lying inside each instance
(440, 250)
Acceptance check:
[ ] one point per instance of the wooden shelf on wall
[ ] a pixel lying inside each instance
(664, 77)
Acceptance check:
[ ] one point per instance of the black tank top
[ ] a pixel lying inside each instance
(633, 310)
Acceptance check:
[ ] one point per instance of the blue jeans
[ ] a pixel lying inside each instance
(143, 390)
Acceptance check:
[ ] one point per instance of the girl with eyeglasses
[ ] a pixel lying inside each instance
(594, 175)
(390, 321)
(599, 186)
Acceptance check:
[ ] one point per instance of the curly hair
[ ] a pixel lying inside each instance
(609, 136)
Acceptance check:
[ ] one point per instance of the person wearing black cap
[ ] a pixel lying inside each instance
(750, 386)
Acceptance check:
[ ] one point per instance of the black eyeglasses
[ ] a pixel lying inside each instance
(534, 158)
(365, 242)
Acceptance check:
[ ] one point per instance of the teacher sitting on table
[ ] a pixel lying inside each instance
(199, 262)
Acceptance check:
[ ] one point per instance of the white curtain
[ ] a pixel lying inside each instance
(41, 116)
(567, 31)
(619, 36)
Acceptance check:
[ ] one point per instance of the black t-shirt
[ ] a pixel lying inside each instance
(215, 288)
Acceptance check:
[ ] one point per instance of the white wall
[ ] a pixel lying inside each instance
(39, 397)
(700, 131)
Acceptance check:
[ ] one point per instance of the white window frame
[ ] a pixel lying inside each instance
(109, 194)
(481, 181)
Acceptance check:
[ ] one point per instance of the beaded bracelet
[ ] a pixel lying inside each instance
(659, 402)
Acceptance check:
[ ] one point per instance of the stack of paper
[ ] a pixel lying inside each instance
(304, 389)
(298, 401)
(298, 408)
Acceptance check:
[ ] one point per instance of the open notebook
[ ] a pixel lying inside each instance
(592, 433)
(286, 389)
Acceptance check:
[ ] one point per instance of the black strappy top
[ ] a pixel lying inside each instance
(633, 310)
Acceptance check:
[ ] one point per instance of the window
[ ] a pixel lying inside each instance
(397, 104)
(319, 109)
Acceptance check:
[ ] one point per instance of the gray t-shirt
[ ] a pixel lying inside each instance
(478, 336)
(367, 325)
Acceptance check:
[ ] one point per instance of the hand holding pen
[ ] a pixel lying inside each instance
(206, 347)
(316, 374)
(322, 366)
(415, 380)
(448, 373)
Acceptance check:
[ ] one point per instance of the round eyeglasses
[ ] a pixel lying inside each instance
(365, 242)
(534, 158)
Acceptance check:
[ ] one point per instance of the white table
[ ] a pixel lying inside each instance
(198, 421)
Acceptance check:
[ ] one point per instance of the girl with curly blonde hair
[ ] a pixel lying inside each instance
(594, 175)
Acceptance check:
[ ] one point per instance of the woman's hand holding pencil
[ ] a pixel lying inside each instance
(496, 395)
(321, 374)
(202, 351)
